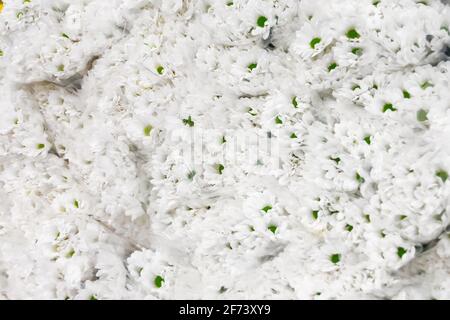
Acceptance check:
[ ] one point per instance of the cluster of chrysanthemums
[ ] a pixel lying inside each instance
(224, 149)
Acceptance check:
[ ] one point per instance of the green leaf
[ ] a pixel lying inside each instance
(93, 297)
(376, 2)
(349, 227)
(335, 258)
(352, 34)
(314, 42)
(332, 66)
(356, 86)
(261, 22)
(367, 217)
(368, 139)
(65, 35)
(40, 146)
(406, 94)
(188, 121)
(315, 214)
(293, 136)
(273, 228)
(401, 252)
(76, 204)
(147, 130)
(422, 115)
(60, 68)
(158, 281)
(267, 208)
(230, 3)
(389, 106)
(224, 140)
(442, 174)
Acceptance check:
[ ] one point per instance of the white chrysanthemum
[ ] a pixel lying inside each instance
(224, 149)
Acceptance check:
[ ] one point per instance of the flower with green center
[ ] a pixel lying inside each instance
(278, 120)
(406, 94)
(70, 253)
(367, 139)
(251, 112)
(426, 85)
(389, 106)
(337, 159)
(332, 66)
(252, 66)
(352, 34)
(359, 178)
(442, 174)
(160, 70)
(335, 258)
(147, 130)
(76, 204)
(422, 115)
(220, 168)
(158, 281)
(293, 135)
(315, 214)
(40, 146)
(261, 21)
(188, 122)
(349, 227)
(314, 42)
(294, 102)
(401, 252)
(191, 175)
(272, 228)
(357, 51)
(267, 208)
